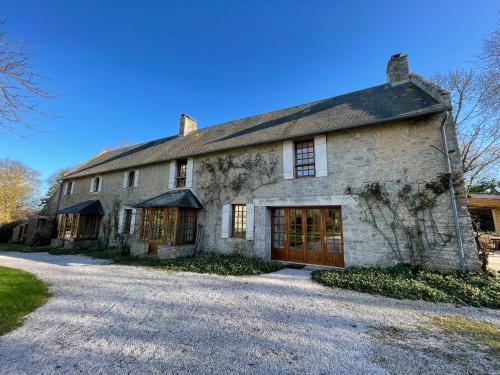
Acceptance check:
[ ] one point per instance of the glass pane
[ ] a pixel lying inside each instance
(313, 217)
(296, 228)
(279, 228)
(333, 230)
(171, 218)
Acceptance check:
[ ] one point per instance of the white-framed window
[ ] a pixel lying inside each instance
(96, 184)
(305, 158)
(181, 173)
(130, 178)
(126, 224)
(68, 187)
(238, 221)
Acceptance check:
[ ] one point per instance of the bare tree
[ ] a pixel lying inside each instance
(18, 190)
(19, 86)
(48, 202)
(476, 104)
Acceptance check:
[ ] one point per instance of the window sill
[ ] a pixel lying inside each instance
(239, 239)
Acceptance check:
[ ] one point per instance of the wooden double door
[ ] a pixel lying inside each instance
(308, 235)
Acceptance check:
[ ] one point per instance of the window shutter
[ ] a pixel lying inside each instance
(120, 220)
(136, 177)
(125, 179)
(92, 184)
(171, 175)
(189, 172)
(65, 188)
(226, 220)
(250, 221)
(99, 188)
(72, 186)
(132, 221)
(288, 160)
(320, 156)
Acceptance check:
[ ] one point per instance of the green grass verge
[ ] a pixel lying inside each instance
(20, 293)
(484, 333)
(219, 264)
(404, 282)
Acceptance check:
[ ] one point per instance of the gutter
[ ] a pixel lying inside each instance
(458, 230)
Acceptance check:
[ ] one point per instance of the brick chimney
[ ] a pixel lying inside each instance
(397, 69)
(187, 125)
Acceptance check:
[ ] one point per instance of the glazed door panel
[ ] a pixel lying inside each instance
(308, 235)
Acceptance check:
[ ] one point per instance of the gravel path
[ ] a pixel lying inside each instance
(111, 319)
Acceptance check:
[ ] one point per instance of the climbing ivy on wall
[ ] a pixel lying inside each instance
(404, 213)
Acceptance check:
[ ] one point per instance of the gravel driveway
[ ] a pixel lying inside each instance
(111, 319)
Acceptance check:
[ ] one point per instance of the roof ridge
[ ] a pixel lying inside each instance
(371, 105)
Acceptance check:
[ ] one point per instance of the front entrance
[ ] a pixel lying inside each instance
(308, 235)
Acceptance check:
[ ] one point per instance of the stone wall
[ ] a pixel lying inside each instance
(138, 248)
(384, 153)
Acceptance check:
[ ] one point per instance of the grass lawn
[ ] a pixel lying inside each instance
(20, 293)
(403, 282)
(219, 264)
(485, 333)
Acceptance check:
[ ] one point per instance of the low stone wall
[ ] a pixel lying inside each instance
(138, 248)
(74, 244)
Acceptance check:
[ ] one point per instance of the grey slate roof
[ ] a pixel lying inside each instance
(92, 207)
(174, 198)
(371, 106)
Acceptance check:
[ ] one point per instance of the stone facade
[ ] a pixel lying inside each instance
(393, 154)
(383, 153)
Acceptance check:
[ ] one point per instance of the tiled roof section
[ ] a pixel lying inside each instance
(366, 107)
(92, 207)
(174, 198)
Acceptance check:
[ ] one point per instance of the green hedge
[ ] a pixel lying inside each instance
(405, 282)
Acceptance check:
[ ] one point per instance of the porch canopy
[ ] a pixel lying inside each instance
(183, 198)
(92, 207)
(80, 221)
(169, 218)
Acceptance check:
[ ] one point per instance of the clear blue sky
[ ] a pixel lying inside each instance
(124, 71)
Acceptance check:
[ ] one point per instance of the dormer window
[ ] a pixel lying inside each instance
(180, 178)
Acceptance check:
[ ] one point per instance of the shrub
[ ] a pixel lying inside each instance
(219, 264)
(405, 282)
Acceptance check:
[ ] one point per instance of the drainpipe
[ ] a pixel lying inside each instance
(458, 230)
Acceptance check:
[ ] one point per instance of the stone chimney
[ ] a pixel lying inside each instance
(397, 69)
(187, 125)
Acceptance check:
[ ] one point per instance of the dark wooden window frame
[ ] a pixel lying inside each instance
(76, 226)
(300, 162)
(181, 173)
(177, 226)
(239, 221)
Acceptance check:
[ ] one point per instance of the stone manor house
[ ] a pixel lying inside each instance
(319, 183)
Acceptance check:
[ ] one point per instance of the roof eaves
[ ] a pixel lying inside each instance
(416, 114)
